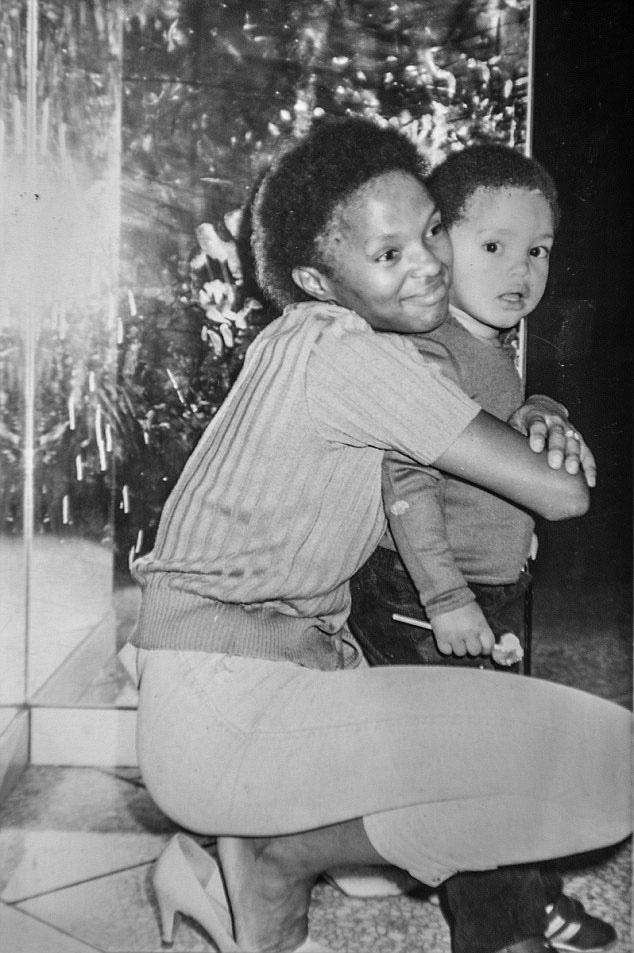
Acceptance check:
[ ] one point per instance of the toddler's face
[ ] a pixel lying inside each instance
(501, 249)
(391, 256)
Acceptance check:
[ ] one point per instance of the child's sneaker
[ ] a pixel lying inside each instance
(571, 929)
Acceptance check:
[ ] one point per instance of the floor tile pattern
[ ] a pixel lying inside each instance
(76, 853)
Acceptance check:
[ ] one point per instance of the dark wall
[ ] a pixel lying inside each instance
(580, 347)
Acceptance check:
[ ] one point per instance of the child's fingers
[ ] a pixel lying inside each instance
(474, 645)
(480, 643)
(447, 648)
(487, 641)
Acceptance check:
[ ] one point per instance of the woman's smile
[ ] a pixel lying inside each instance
(433, 292)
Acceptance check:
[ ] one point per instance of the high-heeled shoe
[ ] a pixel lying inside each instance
(187, 880)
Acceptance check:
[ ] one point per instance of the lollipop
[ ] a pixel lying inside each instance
(508, 650)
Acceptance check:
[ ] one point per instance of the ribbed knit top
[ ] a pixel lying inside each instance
(280, 502)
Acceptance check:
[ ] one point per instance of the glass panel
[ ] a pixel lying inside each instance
(15, 265)
(78, 135)
(62, 171)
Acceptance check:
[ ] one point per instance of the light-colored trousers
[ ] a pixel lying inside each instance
(450, 769)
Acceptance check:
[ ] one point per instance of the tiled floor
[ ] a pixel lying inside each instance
(71, 592)
(76, 851)
(77, 844)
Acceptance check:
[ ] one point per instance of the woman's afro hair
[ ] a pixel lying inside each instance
(306, 185)
(488, 166)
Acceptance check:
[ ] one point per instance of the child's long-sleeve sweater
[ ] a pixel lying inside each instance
(280, 503)
(447, 531)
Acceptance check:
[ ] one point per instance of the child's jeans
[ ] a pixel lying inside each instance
(489, 909)
(382, 587)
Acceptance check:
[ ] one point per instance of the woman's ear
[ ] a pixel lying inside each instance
(313, 283)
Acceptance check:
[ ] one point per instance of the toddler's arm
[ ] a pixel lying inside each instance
(412, 497)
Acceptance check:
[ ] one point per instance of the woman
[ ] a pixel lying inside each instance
(257, 722)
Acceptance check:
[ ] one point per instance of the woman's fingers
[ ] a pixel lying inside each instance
(572, 450)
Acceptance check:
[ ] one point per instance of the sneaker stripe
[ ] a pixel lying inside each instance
(563, 936)
(554, 924)
(570, 929)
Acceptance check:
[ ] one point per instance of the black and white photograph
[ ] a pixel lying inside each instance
(316, 476)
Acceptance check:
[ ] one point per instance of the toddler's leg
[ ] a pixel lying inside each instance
(491, 909)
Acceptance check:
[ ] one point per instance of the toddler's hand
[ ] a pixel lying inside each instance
(462, 631)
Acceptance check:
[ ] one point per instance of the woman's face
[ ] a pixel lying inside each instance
(389, 255)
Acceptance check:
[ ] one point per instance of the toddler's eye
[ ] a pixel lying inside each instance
(540, 251)
(492, 247)
(436, 228)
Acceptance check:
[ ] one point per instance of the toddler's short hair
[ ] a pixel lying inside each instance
(487, 166)
(300, 194)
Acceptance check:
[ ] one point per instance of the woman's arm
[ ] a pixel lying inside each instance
(498, 458)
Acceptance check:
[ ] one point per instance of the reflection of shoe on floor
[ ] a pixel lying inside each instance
(571, 929)
(366, 882)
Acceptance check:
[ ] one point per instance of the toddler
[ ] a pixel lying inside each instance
(462, 551)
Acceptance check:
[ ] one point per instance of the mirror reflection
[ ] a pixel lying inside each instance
(60, 66)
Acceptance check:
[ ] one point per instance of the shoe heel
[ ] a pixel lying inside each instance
(167, 914)
(184, 880)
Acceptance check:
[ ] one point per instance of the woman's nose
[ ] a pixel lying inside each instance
(425, 262)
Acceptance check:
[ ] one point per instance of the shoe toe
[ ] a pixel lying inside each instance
(571, 929)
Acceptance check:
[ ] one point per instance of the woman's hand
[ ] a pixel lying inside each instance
(545, 421)
(463, 631)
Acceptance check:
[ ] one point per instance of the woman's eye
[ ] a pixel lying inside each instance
(436, 229)
(492, 247)
(540, 251)
(390, 255)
